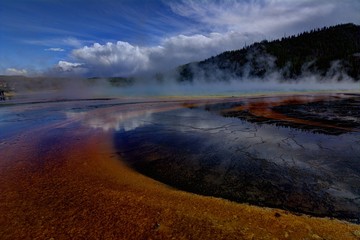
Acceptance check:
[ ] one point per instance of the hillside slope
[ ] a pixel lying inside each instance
(329, 52)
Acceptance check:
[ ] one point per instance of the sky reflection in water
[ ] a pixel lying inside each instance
(203, 152)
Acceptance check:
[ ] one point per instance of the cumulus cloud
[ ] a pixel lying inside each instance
(68, 66)
(114, 58)
(225, 25)
(15, 71)
(199, 46)
(55, 49)
(123, 58)
(64, 67)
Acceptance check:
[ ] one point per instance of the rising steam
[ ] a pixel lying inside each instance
(213, 82)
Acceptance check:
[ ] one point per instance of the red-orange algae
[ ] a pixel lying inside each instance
(263, 107)
(79, 189)
(82, 191)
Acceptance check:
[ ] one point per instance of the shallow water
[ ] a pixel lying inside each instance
(190, 145)
(201, 151)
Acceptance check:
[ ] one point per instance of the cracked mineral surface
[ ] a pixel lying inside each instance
(296, 153)
(74, 169)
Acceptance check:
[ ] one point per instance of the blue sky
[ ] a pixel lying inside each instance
(127, 37)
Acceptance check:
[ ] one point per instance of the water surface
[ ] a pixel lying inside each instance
(311, 169)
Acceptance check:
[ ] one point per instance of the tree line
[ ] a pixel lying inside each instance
(326, 51)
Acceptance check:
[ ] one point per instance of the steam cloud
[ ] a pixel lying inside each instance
(208, 81)
(71, 88)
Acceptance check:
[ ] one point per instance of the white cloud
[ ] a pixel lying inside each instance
(123, 58)
(114, 58)
(68, 66)
(64, 67)
(232, 22)
(62, 42)
(270, 17)
(15, 71)
(71, 41)
(55, 49)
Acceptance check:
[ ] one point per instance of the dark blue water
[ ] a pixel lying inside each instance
(202, 152)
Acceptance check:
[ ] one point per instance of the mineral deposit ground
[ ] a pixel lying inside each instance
(76, 169)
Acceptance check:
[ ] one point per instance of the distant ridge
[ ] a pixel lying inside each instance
(329, 51)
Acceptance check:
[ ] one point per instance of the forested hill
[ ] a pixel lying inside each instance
(329, 52)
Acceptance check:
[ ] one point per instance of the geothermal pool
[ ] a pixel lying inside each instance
(242, 151)
(299, 153)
